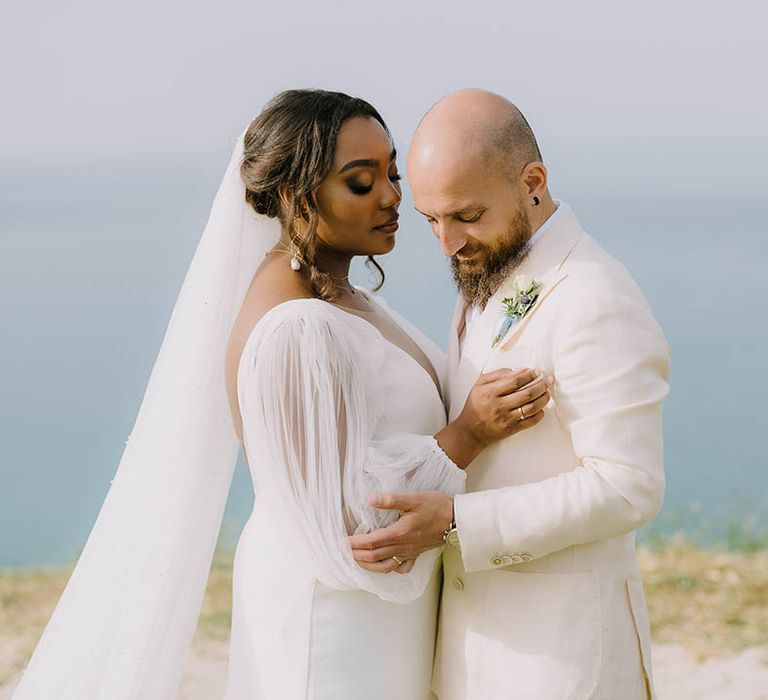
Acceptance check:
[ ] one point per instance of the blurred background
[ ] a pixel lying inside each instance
(118, 119)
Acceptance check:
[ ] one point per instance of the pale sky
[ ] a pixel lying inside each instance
(662, 95)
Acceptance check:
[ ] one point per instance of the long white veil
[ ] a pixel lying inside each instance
(124, 624)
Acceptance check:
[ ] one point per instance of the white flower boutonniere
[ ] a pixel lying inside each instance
(525, 292)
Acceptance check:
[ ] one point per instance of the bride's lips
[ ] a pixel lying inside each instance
(389, 226)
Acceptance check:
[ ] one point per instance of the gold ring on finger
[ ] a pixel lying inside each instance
(522, 414)
(398, 560)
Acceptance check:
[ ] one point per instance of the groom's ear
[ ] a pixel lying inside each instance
(535, 178)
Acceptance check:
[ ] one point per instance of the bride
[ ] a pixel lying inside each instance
(334, 398)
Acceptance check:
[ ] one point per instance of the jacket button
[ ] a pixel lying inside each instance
(458, 584)
(507, 559)
(497, 561)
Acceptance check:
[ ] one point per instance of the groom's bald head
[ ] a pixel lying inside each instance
(475, 172)
(476, 123)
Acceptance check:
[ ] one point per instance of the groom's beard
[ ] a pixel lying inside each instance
(479, 278)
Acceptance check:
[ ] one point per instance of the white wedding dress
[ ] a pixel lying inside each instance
(332, 412)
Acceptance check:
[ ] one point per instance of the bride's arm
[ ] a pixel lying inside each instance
(308, 423)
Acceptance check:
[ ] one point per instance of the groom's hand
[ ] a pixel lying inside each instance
(424, 517)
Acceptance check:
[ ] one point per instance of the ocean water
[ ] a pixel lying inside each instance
(89, 273)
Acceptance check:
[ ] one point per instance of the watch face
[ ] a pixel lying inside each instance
(453, 538)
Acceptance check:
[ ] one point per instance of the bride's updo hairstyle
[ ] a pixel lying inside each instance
(288, 150)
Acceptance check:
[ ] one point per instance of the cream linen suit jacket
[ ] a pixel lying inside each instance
(543, 600)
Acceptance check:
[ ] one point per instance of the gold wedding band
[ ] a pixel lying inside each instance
(398, 560)
(522, 415)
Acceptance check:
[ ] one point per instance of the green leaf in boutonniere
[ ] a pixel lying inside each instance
(525, 292)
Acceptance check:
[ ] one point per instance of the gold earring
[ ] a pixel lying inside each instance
(295, 259)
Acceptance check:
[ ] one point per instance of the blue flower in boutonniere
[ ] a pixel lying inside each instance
(525, 292)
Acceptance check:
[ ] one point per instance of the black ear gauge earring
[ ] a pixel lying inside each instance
(536, 201)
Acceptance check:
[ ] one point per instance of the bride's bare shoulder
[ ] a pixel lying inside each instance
(271, 286)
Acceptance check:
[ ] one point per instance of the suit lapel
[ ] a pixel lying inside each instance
(547, 285)
(452, 361)
(544, 263)
(477, 349)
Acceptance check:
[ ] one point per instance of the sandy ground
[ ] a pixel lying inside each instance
(678, 675)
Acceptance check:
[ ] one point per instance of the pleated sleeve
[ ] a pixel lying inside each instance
(312, 431)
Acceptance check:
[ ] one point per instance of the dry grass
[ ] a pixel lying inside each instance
(710, 601)
(27, 598)
(216, 614)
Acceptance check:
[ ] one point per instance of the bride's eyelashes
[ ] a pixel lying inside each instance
(359, 188)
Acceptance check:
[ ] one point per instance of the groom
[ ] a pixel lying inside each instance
(542, 597)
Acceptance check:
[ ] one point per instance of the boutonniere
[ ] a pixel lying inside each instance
(525, 292)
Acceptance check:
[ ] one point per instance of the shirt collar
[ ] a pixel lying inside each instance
(553, 217)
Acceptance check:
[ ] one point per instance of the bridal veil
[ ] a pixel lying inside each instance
(125, 621)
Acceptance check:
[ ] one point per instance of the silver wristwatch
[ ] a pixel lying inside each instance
(451, 534)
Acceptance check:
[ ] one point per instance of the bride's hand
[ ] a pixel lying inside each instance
(500, 404)
(503, 403)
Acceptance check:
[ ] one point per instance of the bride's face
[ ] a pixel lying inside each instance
(358, 200)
